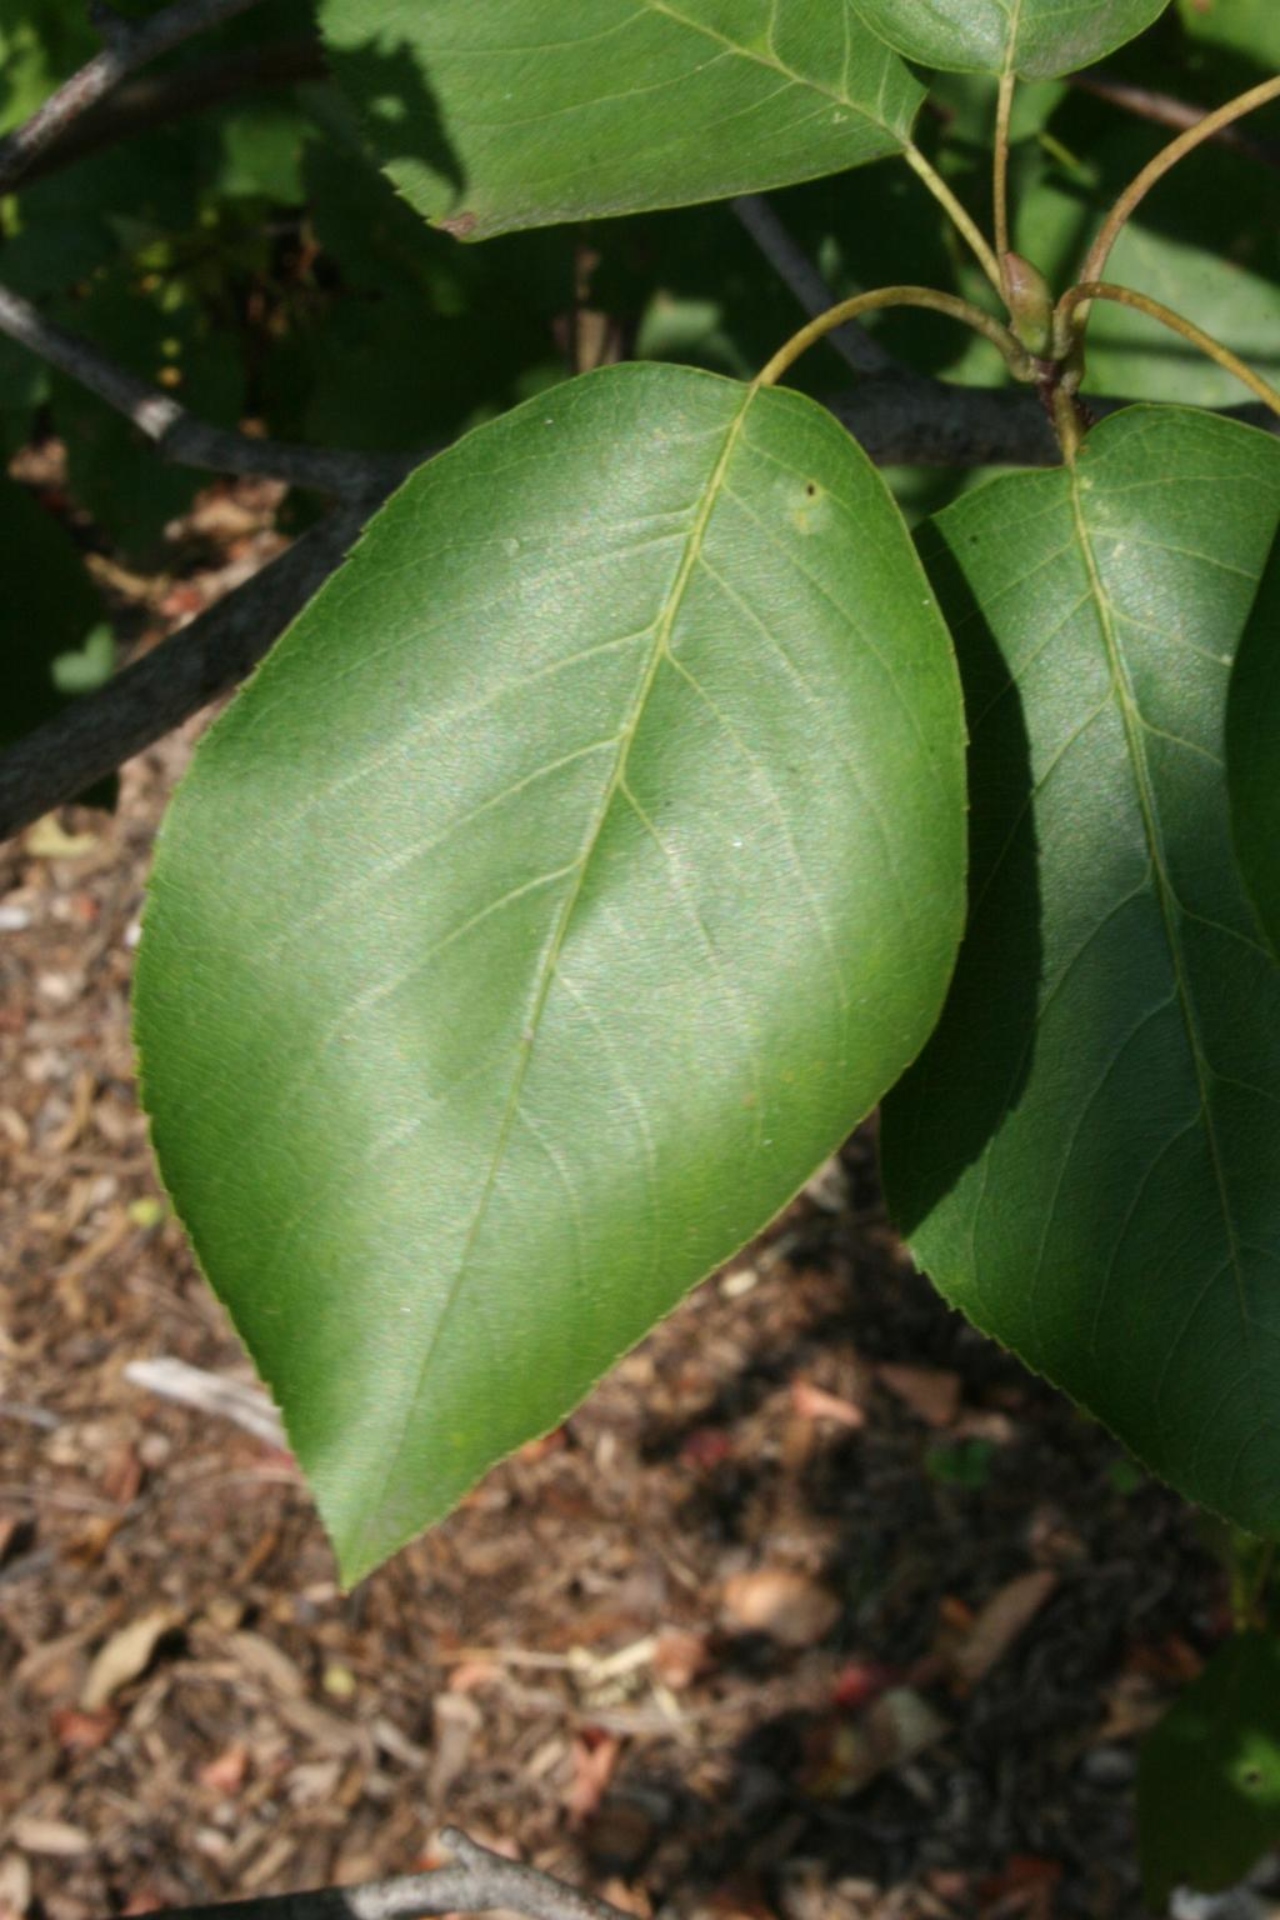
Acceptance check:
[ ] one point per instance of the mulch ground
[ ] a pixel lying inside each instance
(819, 1608)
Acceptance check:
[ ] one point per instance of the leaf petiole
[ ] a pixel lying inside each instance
(1019, 361)
(1000, 180)
(963, 220)
(1168, 157)
(1069, 319)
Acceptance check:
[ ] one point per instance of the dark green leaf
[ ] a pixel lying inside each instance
(1209, 1775)
(525, 113)
(1085, 1156)
(575, 873)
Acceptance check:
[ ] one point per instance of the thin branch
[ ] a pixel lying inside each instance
(92, 736)
(150, 100)
(1090, 290)
(482, 1882)
(1163, 110)
(177, 434)
(899, 420)
(800, 275)
(128, 46)
(1015, 354)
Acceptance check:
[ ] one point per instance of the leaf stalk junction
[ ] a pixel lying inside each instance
(1043, 343)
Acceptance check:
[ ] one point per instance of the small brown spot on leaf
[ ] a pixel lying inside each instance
(460, 225)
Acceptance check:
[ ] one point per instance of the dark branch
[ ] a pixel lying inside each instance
(1164, 110)
(482, 1882)
(797, 272)
(153, 99)
(177, 434)
(128, 45)
(907, 420)
(901, 420)
(94, 735)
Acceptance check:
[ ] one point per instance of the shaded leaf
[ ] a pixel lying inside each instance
(1250, 27)
(524, 113)
(1212, 254)
(1035, 38)
(1084, 1156)
(582, 865)
(1253, 751)
(1209, 1775)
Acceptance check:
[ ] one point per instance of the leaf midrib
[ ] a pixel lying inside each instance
(663, 628)
(774, 65)
(1131, 720)
(1011, 48)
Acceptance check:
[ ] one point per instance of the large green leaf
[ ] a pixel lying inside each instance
(1036, 38)
(1209, 1775)
(1085, 1157)
(522, 113)
(1253, 751)
(583, 864)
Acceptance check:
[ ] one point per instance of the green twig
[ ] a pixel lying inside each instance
(1069, 320)
(963, 220)
(1000, 181)
(1168, 157)
(1019, 360)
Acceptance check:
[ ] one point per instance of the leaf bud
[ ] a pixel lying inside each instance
(1030, 304)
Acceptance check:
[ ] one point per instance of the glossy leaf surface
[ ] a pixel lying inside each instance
(573, 876)
(1085, 1157)
(1253, 752)
(1035, 38)
(1209, 1775)
(524, 113)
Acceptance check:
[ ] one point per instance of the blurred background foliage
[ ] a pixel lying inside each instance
(217, 228)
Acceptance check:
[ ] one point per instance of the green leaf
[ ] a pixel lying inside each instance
(1209, 1775)
(1084, 1157)
(1253, 751)
(523, 113)
(87, 667)
(582, 865)
(1035, 38)
(1250, 27)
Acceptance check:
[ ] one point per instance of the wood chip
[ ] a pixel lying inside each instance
(931, 1394)
(815, 1403)
(792, 1608)
(1005, 1616)
(55, 1837)
(268, 1663)
(126, 1655)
